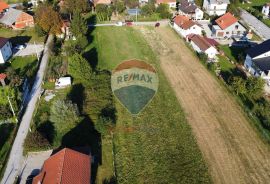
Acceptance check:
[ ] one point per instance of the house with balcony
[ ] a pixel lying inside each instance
(227, 26)
(190, 9)
(215, 7)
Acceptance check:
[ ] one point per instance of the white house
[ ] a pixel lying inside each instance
(35, 2)
(266, 9)
(258, 60)
(201, 45)
(227, 26)
(184, 26)
(215, 7)
(143, 2)
(5, 50)
(63, 82)
(171, 3)
(189, 8)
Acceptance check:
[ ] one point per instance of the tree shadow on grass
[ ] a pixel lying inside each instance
(112, 180)
(5, 132)
(76, 95)
(85, 135)
(47, 129)
(92, 57)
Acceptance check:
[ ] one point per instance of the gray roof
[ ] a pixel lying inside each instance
(259, 49)
(217, 1)
(187, 7)
(263, 63)
(10, 16)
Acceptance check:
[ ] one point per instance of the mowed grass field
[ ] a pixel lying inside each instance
(157, 146)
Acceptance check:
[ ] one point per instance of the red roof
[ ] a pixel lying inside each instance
(180, 20)
(2, 76)
(65, 167)
(226, 20)
(3, 41)
(200, 41)
(3, 5)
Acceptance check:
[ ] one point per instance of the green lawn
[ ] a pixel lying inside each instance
(225, 65)
(233, 53)
(21, 36)
(158, 145)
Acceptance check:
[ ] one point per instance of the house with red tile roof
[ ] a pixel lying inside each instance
(17, 19)
(65, 167)
(3, 6)
(202, 45)
(171, 3)
(184, 26)
(5, 50)
(227, 26)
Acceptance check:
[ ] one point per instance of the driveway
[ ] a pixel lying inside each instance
(30, 49)
(256, 25)
(34, 163)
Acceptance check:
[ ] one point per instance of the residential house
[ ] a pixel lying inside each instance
(17, 19)
(65, 167)
(227, 26)
(106, 2)
(5, 50)
(143, 2)
(215, 7)
(258, 60)
(3, 7)
(202, 45)
(171, 3)
(184, 26)
(189, 8)
(266, 9)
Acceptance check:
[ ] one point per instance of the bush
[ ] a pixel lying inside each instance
(35, 141)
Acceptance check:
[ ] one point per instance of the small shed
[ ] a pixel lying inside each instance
(63, 82)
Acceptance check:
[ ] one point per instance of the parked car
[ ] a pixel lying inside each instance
(119, 24)
(129, 22)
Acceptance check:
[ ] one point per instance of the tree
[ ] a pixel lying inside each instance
(64, 114)
(78, 25)
(148, 9)
(72, 6)
(163, 10)
(48, 19)
(120, 6)
(132, 3)
(103, 12)
(254, 86)
(79, 68)
(239, 85)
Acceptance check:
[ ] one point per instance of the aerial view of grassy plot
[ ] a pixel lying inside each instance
(157, 146)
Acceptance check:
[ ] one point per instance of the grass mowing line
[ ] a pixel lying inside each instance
(158, 145)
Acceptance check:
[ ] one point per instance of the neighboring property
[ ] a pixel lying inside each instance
(171, 3)
(189, 8)
(184, 26)
(227, 26)
(65, 167)
(258, 60)
(202, 45)
(5, 50)
(17, 19)
(215, 7)
(266, 10)
(106, 2)
(3, 7)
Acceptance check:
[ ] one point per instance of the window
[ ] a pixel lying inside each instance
(236, 26)
(227, 32)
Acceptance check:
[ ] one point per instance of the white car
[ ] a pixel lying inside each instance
(119, 24)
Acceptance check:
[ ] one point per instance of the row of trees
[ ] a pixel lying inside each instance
(163, 10)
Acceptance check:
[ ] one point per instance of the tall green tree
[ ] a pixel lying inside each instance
(78, 24)
(104, 12)
(239, 85)
(163, 10)
(71, 6)
(79, 68)
(255, 87)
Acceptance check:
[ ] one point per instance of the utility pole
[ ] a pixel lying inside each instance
(11, 107)
(36, 51)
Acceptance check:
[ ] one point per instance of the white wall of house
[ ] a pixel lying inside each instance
(198, 15)
(215, 9)
(5, 52)
(265, 10)
(210, 52)
(195, 29)
(235, 29)
(172, 4)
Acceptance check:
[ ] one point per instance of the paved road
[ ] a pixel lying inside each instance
(16, 155)
(256, 25)
(31, 49)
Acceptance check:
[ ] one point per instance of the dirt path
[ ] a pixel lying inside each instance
(233, 150)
